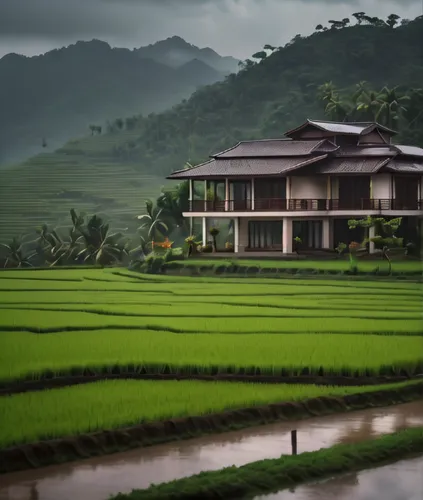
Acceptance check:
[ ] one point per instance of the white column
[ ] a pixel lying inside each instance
(204, 231)
(372, 234)
(288, 191)
(287, 235)
(253, 196)
(226, 194)
(191, 205)
(326, 237)
(236, 234)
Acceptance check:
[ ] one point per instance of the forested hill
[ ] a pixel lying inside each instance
(274, 94)
(112, 173)
(47, 99)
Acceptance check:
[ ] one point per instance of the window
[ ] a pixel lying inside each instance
(310, 232)
(265, 235)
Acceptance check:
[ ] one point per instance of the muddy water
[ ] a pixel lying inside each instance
(98, 478)
(400, 481)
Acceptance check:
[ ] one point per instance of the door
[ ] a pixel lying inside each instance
(354, 192)
(406, 193)
(265, 235)
(240, 195)
(270, 194)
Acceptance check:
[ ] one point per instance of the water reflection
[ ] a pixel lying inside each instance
(98, 478)
(400, 481)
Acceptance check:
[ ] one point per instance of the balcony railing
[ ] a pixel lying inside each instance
(302, 205)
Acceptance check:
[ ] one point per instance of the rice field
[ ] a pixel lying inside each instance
(114, 404)
(77, 322)
(67, 321)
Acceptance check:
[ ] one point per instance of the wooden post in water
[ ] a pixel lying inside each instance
(294, 442)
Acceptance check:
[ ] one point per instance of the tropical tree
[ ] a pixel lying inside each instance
(173, 203)
(152, 222)
(16, 255)
(384, 237)
(101, 246)
(392, 105)
(392, 20)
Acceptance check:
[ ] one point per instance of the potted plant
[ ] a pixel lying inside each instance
(297, 244)
(229, 247)
(214, 231)
(340, 249)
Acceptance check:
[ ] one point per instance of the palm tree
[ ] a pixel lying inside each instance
(391, 105)
(152, 222)
(368, 103)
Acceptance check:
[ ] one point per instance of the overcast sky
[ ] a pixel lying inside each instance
(231, 27)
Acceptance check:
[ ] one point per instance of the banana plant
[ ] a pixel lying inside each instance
(100, 245)
(16, 255)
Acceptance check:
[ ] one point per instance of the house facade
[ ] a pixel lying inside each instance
(307, 185)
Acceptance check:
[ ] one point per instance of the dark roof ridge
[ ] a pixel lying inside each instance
(367, 126)
(192, 168)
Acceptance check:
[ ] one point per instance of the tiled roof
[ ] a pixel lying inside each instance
(245, 167)
(276, 148)
(409, 150)
(399, 165)
(352, 165)
(359, 151)
(349, 128)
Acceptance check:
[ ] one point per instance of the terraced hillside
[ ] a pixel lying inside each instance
(45, 188)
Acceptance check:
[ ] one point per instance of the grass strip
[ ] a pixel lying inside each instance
(272, 475)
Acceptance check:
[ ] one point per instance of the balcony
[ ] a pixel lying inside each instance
(303, 205)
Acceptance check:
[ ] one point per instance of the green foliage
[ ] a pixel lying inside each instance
(385, 230)
(89, 241)
(340, 249)
(397, 108)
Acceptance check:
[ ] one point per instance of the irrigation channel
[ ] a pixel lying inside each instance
(100, 477)
(402, 480)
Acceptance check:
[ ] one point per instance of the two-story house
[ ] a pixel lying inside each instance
(307, 184)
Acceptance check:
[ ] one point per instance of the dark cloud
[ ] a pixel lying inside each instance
(237, 27)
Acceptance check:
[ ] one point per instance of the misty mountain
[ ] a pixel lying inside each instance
(46, 99)
(176, 52)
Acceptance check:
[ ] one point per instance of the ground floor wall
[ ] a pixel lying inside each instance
(288, 234)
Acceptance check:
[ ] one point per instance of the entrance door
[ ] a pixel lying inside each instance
(406, 193)
(354, 192)
(265, 235)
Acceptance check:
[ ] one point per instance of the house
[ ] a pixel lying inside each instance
(307, 184)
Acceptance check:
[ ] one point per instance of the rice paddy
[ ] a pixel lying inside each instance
(92, 321)
(113, 404)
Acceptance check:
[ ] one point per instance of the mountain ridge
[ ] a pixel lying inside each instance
(51, 97)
